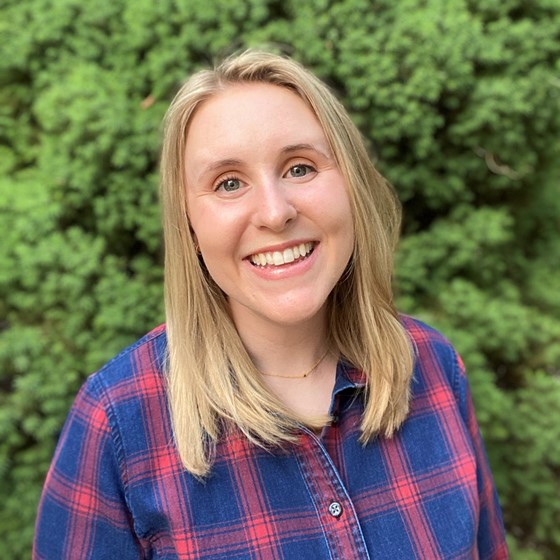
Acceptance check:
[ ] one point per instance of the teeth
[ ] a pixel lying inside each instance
(278, 258)
(288, 256)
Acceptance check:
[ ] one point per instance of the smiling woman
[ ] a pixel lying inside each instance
(271, 416)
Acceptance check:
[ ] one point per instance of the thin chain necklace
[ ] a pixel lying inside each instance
(301, 376)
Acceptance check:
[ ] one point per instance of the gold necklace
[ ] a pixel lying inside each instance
(303, 376)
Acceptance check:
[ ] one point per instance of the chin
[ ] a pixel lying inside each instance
(298, 316)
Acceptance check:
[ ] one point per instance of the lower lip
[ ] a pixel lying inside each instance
(289, 270)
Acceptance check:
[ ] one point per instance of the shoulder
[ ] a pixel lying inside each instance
(436, 360)
(128, 397)
(88, 485)
(140, 361)
(128, 385)
(422, 333)
(426, 340)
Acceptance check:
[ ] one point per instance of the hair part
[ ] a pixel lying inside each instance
(212, 383)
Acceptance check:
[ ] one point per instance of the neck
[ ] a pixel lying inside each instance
(284, 349)
(283, 352)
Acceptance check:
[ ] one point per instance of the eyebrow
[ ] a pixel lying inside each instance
(219, 164)
(230, 162)
(298, 147)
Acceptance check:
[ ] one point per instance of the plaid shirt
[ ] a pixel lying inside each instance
(117, 490)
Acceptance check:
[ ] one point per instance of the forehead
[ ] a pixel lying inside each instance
(253, 96)
(252, 113)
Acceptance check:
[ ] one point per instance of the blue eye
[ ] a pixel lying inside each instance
(300, 170)
(229, 185)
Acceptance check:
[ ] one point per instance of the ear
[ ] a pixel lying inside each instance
(195, 240)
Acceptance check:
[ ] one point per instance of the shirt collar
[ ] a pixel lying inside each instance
(348, 377)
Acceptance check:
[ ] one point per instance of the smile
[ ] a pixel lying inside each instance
(278, 258)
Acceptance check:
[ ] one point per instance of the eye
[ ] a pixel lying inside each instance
(300, 170)
(230, 184)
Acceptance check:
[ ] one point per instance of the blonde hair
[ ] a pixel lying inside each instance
(212, 383)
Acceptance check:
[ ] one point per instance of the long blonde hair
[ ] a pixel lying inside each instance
(212, 383)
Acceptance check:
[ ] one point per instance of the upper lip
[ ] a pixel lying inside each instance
(280, 246)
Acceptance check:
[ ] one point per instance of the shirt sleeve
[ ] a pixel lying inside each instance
(83, 512)
(491, 532)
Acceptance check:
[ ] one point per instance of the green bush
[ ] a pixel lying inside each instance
(460, 103)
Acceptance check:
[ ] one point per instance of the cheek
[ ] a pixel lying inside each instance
(349, 239)
(218, 238)
(341, 215)
(211, 227)
(344, 221)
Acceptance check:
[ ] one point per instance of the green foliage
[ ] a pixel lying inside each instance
(534, 459)
(459, 101)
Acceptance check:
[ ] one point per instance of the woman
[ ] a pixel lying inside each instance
(271, 417)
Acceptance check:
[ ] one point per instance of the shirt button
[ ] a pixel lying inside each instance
(335, 509)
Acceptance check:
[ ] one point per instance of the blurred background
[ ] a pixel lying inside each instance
(459, 101)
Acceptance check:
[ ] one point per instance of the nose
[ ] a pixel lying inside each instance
(274, 208)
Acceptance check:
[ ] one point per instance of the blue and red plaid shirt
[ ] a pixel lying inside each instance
(117, 489)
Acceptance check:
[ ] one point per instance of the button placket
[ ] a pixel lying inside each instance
(343, 534)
